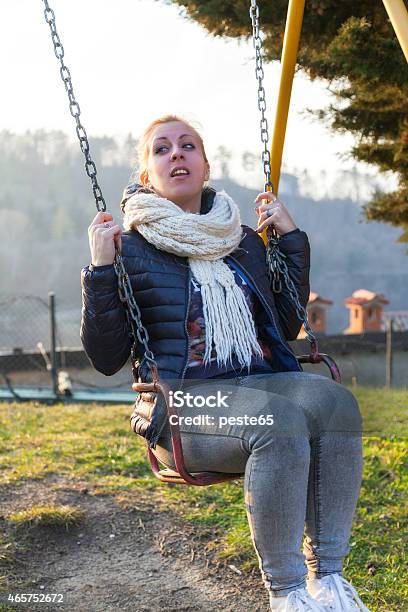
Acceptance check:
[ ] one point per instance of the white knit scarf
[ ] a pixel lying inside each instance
(205, 240)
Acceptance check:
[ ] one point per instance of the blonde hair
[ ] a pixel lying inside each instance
(143, 148)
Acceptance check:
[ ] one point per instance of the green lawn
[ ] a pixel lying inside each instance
(94, 442)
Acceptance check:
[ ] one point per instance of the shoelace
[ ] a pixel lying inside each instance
(335, 591)
(328, 597)
(301, 601)
(341, 584)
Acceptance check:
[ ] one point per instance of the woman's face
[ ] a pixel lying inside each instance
(176, 166)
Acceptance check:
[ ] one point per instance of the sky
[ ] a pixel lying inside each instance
(134, 60)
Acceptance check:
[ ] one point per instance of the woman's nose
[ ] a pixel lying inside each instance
(176, 154)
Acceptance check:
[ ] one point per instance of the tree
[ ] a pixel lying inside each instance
(352, 46)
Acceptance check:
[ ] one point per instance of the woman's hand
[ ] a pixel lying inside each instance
(274, 213)
(104, 235)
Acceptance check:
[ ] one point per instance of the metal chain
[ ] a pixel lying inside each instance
(259, 73)
(281, 265)
(74, 108)
(272, 254)
(133, 314)
(274, 257)
(266, 156)
(133, 310)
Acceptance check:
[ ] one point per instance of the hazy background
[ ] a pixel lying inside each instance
(134, 60)
(130, 62)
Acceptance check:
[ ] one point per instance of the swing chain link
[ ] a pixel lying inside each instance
(275, 259)
(133, 314)
(259, 73)
(277, 265)
(273, 238)
(74, 108)
(273, 254)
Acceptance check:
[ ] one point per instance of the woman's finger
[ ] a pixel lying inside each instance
(111, 231)
(268, 221)
(266, 195)
(101, 226)
(107, 233)
(269, 204)
(266, 211)
(101, 217)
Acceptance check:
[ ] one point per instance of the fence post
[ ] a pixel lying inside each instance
(53, 352)
(389, 355)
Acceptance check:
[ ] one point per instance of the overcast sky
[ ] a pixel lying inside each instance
(132, 61)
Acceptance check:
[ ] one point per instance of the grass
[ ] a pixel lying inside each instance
(384, 411)
(11, 544)
(48, 516)
(94, 443)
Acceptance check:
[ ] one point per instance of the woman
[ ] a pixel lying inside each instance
(200, 280)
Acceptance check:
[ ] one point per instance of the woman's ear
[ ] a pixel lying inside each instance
(144, 178)
(207, 172)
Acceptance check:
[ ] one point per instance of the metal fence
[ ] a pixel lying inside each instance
(40, 349)
(41, 355)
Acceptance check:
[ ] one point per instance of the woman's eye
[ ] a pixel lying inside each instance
(163, 147)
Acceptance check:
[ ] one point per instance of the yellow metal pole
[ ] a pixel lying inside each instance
(398, 15)
(291, 39)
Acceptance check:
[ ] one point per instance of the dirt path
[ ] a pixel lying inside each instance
(124, 556)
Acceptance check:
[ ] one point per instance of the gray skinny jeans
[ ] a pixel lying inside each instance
(302, 473)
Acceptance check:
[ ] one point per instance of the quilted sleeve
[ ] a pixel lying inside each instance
(295, 246)
(104, 330)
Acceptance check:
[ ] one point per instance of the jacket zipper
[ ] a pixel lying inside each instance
(254, 287)
(185, 327)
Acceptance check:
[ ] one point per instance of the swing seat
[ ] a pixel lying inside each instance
(194, 478)
(181, 475)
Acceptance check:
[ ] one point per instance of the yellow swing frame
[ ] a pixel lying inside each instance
(398, 15)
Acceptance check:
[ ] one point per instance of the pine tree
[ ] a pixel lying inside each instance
(352, 46)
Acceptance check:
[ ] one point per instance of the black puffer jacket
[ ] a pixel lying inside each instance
(161, 285)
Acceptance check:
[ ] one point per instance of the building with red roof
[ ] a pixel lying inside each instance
(366, 311)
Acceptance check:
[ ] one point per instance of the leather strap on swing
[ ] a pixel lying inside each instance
(316, 357)
(202, 478)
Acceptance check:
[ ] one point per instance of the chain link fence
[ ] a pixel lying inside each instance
(41, 351)
(40, 348)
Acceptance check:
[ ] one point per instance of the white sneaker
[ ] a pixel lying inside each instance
(295, 601)
(336, 594)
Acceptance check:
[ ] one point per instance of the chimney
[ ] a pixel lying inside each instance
(366, 311)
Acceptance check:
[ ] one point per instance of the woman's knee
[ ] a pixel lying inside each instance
(334, 407)
(348, 415)
(327, 404)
